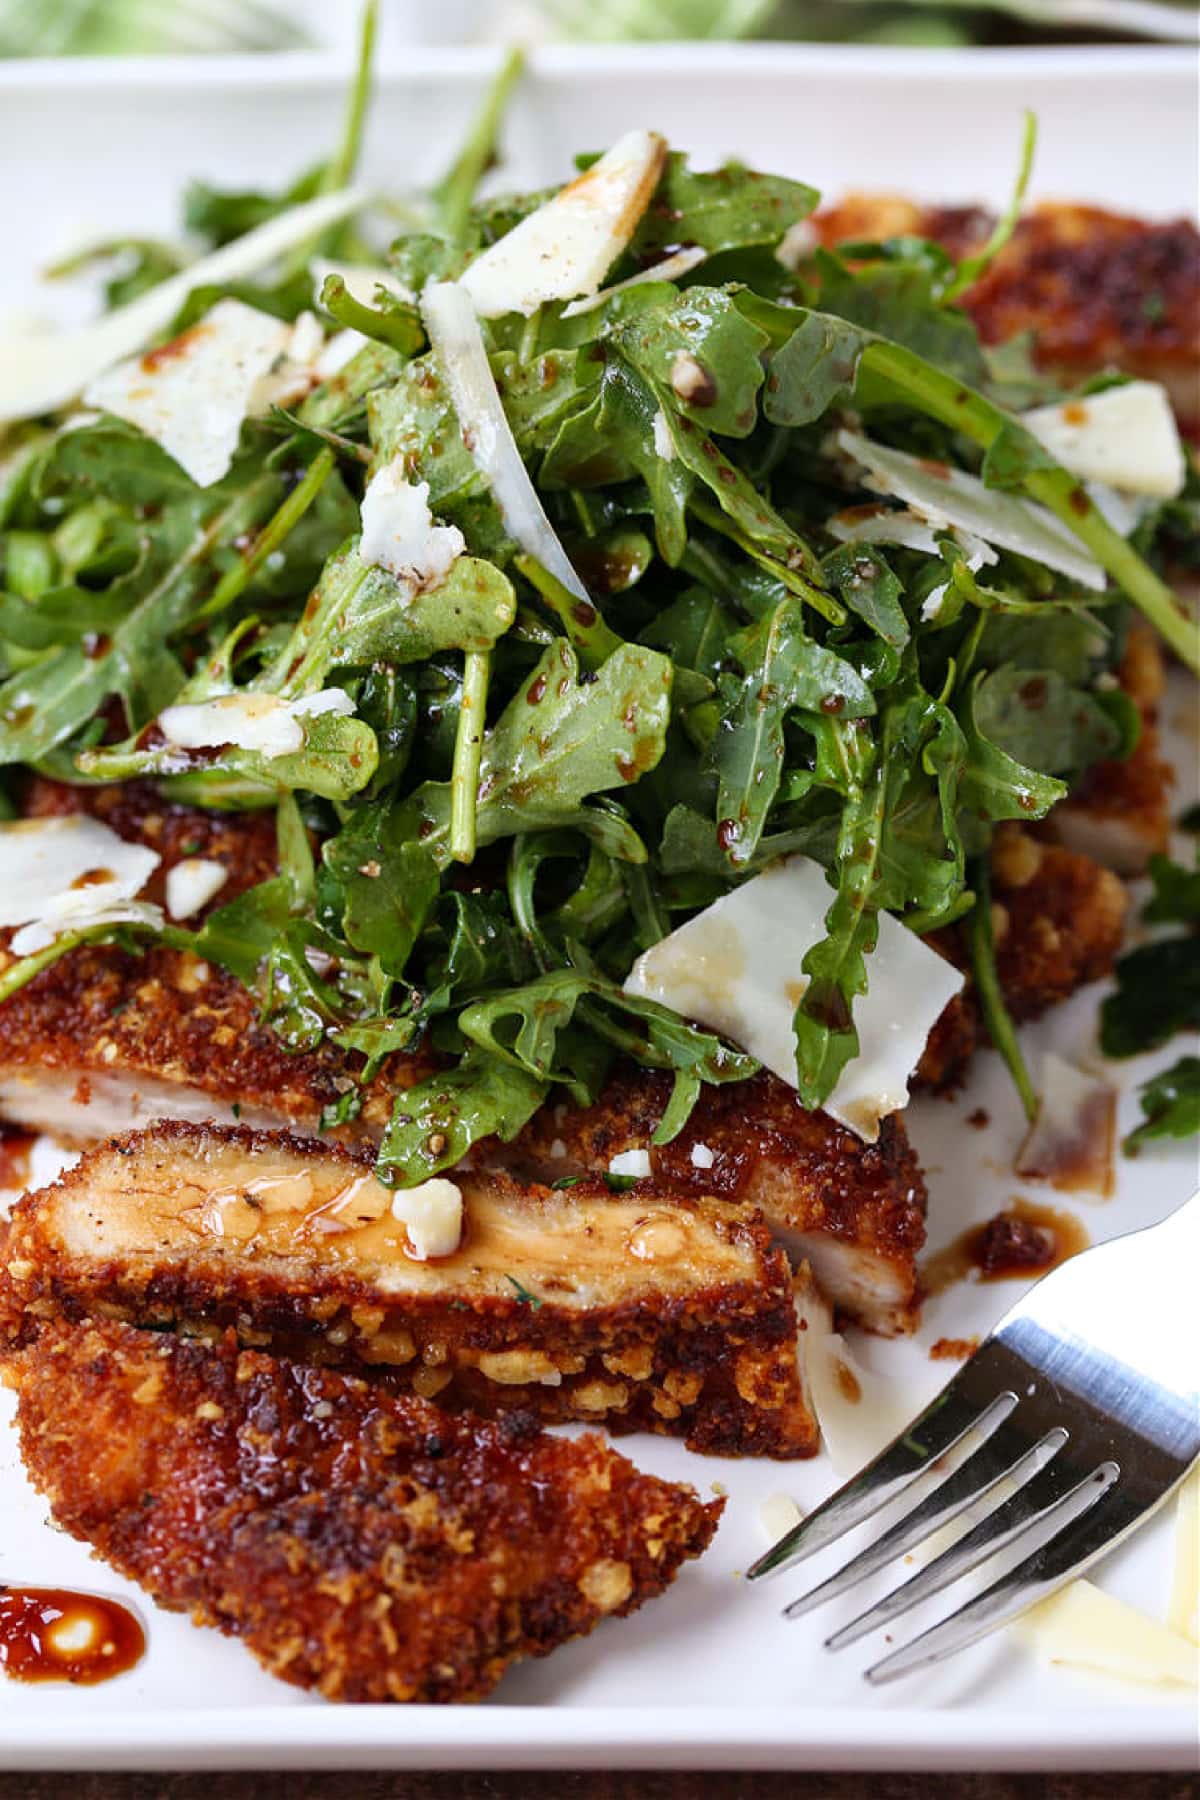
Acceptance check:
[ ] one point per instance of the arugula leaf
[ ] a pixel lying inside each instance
(387, 880)
(435, 1123)
(783, 669)
(1171, 1103)
(1176, 892)
(559, 741)
(1158, 994)
(996, 785)
(863, 578)
(700, 346)
(727, 209)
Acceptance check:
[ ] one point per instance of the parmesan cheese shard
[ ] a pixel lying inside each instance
(262, 722)
(946, 497)
(1183, 1612)
(645, 1311)
(1125, 437)
(1082, 1627)
(193, 395)
(68, 874)
(564, 250)
(192, 883)
(737, 968)
(45, 370)
(359, 1542)
(398, 532)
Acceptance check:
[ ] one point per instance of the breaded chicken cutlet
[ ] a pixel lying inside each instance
(655, 1310)
(362, 1543)
(1096, 289)
(105, 1039)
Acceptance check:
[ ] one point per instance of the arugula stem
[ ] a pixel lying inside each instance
(996, 1015)
(530, 336)
(792, 579)
(344, 163)
(237, 579)
(589, 636)
(468, 748)
(944, 397)
(456, 190)
(972, 267)
(400, 330)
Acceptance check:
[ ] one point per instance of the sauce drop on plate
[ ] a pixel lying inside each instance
(52, 1634)
(1023, 1241)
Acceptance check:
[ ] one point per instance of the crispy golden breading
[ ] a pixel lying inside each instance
(103, 1040)
(854, 1211)
(1057, 918)
(106, 1038)
(652, 1310)
(1097, 289)
(362, 1543)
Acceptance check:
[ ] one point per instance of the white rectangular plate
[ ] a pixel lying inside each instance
(710, 1675)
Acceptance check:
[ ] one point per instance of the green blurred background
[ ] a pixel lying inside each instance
(123, 27)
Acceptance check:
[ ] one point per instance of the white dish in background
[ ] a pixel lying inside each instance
(710, 1675)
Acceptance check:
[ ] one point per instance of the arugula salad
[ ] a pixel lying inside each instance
(552, 564)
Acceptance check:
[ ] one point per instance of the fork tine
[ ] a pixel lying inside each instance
(938, 1429)
(1065, 1555)
(1042, 1499)
(1001, 1458)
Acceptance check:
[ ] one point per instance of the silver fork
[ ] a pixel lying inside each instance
(1086, 1397)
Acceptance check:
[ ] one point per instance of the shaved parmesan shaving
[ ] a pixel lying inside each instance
(635, 1163)
(39, 372)
(458, 344)
(1082, 1627)
(778, 1515)
(892, 525)
(338, 351)
(251, 721)
(398, 532)
(680, 262)
(192, 883)
(946, 497)
(565, 248)
(736, 967)
(297, 370)
(44, 860)
(1126, 437)
(82, 912)
(431, 1215)
(1073, 1137)
(1183, 1612)
(192, 395)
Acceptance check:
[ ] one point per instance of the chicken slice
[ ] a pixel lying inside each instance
(362, 1543)
(855, 1212)
(649, 1310)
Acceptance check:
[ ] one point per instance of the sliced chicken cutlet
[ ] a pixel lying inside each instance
(359, 1542)
(1057, 919)
(1096, 289)
(855, 1212)
(104, 1040)
(655, 1310)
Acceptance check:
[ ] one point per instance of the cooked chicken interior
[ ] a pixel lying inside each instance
(854, 1211)
(653, 1310)
(362, 1543)
(104, 1040)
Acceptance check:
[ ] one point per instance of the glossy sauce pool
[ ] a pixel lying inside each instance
(1023, 1241)
(53, 1634)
